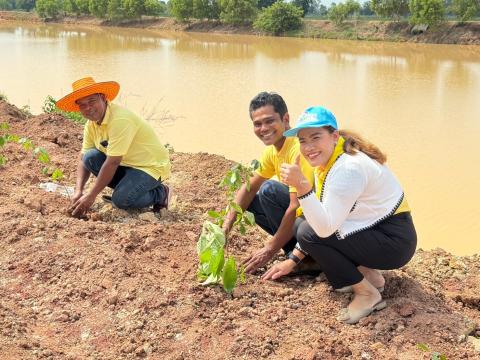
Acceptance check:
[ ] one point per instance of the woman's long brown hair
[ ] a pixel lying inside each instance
(354, 143)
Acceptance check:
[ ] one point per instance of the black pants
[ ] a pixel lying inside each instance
(388, 245)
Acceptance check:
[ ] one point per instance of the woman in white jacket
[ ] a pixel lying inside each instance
(356, 222)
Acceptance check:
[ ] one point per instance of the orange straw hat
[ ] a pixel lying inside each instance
(86, 87)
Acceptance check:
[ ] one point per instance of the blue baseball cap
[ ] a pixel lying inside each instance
(313, 117)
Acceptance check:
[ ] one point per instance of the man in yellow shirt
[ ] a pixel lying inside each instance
(119, 148)
(273, 203)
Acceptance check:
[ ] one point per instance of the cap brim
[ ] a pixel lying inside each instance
(109, 88)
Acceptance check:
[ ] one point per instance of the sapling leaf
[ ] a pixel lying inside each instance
(57, 175)
(236, 207)
(255, 164)
(212, 279)
(243, 278)
(42, 155)
(249, 218)
(3, 160)
(2, 141)
(242, 229)
(12, 138)
(423, 347)
(230, 275)
(213, 214)
(233, 178)
(248, 185)
(45, 170)
(4, 126)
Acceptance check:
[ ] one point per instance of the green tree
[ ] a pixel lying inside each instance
(98, 8)
(238, 12)
(48, 8)
(279, 17)
(134, 8)
(26, 5)
(262, 4)
(155, 7)
(465, 10)
(366, 9)
(115, 10)
(428, 12)
(339, 13)
(7, 4)
(206, 9)
(181, 9)
(390, 8)
(83, 6)
(306, 5)
(70, 7)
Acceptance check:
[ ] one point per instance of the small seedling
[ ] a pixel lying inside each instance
(211, 246)
(433, 355)
(50, 107)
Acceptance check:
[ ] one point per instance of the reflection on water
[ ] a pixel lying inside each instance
(417, 102)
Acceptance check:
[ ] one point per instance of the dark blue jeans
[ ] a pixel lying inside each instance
(133, 188)
(269, 206)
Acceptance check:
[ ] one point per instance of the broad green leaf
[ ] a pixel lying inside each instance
(236, 207)
(2, 141)
(423, 347)
(216, 261)
(57, 175)
(3, 160)
(213, 214)
(248, 185)
(249, 218)
(230, 275)
(26, 143)
(4, 126)
(212, 279)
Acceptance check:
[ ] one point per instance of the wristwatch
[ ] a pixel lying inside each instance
(293, 257)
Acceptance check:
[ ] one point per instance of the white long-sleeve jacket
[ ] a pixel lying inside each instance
(358, 192)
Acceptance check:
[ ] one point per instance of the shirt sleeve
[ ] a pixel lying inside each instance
(267, 168)
(344, 188)
(88, 142)
(120, 136)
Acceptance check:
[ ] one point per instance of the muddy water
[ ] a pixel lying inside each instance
(418, 102)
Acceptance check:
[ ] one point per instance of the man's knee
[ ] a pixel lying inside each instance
(121, 200)
(93, 160)
(269, 190)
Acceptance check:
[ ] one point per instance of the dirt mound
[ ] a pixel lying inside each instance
(123, 284)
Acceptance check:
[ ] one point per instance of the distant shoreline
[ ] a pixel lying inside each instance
(371, 30)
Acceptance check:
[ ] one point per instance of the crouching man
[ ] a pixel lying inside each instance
(119, 148)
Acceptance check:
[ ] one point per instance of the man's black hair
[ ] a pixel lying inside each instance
(265, 98)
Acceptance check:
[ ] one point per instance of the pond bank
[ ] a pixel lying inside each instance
(447, 33)
(123, 284)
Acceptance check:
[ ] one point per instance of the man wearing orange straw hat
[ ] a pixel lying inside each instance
(119, 148)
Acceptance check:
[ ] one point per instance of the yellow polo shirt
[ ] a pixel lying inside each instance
(131, 137)
(272, 159)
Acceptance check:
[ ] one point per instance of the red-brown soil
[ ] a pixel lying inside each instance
(122, 285)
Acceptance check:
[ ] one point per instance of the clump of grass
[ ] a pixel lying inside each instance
(50, 107)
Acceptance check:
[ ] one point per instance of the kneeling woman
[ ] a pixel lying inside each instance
(357, 222)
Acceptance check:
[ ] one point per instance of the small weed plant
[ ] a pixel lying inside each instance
(211, 246)
(38, 152)
(50, 107)
(433, 355)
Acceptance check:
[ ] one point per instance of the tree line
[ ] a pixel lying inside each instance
(104, 9)
(271, 16)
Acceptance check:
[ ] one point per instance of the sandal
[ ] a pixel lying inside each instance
(349, 289)
(354, 316)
